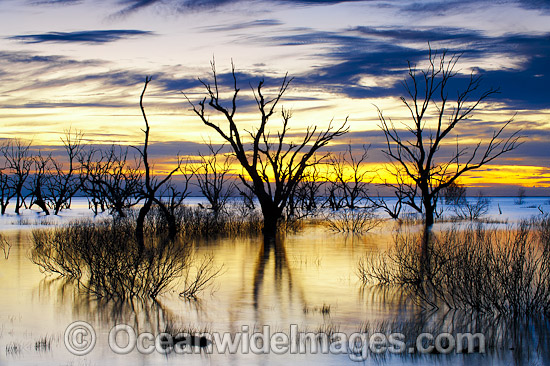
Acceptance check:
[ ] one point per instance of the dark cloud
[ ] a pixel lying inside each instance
(421, 34)
(29, 58)
(439, 7)
(364, 52)
(185, 5)
(90, 37)
(177, 5)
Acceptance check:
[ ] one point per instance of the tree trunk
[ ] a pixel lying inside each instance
(172, 227)
(425, 259)
(270, 225)
(139, 224)
(17, 204)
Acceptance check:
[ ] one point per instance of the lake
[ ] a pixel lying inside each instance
(306, 281)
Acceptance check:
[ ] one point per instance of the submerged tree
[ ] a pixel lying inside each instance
(212, 178)
(348, 179)
(19, 164)
(41, 175)
(153, 186)
(420, 173)
(273, 165)
(110, 180)
(6, 189)
(65, 180)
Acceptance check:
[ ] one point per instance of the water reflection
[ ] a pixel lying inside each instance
(273, 250)
(266, 282)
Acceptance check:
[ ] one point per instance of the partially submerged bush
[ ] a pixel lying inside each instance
(106, 260)
(472, 210)
(202, 222)
(357, 221)
(503, 272)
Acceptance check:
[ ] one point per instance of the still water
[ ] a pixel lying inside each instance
(307, 280)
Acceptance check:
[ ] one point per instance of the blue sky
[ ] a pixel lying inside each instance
(82, 64)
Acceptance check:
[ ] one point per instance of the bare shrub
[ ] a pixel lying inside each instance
(357, 221)
(472, 210)
(501, 272)
(520, 198)
(105, 259)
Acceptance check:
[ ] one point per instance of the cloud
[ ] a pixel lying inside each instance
(359, 54)
(56, 2)
(186, 5)
(89, 37)
(245, 25)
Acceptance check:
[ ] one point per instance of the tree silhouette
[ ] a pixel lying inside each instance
(419, 174)
(110, 180)
(212, 178)
(19, 163)
(65, 180)
(272, 165)
(152, 185)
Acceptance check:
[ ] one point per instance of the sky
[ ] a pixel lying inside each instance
(81, 64)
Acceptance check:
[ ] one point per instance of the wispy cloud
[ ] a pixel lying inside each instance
(89, 37)
(183, 5)
(56, 2)
(240, 25)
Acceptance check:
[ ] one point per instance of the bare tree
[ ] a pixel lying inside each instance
(266, 155)
(419, 174)
(19, 164)
(6, 189)
(348, 178)
(110, 179)
(392, 209)
(41, 175)
(472, 210)
(520, 198)
(212, 178)
(65, 180)
(152, 185)
(455, 194)
(307, 198)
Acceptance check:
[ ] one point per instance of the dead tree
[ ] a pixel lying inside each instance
(455, 194)
(348, 178)
(65, 180)
(520, 198)
(212, 178)
(110, 180)
(152, 185)
(91, 177)
(19, 164)
(6, 189)
(273, 166)
(307, 198)
(421, 174)
(41, 175)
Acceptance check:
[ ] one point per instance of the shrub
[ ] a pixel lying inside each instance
(502, 272)
(106, 260)
(357, 221)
